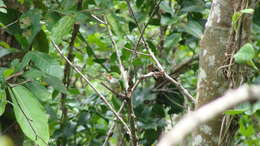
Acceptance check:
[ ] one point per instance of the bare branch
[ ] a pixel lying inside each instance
(131, 113)
(122, 69)
(109, 133)
(193, 119)
(94, 88)
(113, 91)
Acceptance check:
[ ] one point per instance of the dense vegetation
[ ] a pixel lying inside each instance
(67, 67)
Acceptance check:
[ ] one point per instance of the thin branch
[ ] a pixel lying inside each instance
(110, 131)
(113, 91)
(150, 74)
(21, 83)
(207, 112)
(98, 19)
(10, 24)
(135, 51)
(124, 75)
(178, 85)
(14, 75)
(121, 67)
(142, 31)
(94, 88)
(179, 69)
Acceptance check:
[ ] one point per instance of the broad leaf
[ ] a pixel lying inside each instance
(30, 115)
(41, 42)
(194, 28)
(245, 55)
(43, 62)
(165, 7)
(39, 91)
(31, 21)
(55, 82)
(62, 28)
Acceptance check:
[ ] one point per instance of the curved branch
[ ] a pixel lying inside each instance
(193, 119)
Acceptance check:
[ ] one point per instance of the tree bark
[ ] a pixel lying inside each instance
(215, 44)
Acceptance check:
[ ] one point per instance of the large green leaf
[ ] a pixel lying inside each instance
(245, 55)
(41, 42)
(31, 20)
(3, 101)
(62, 28)
(39, 91)
(55, 82)
(44, 62)
(194, 28)
(172, 40)
(10, 17)
(30, 115)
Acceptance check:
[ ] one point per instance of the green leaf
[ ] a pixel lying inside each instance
(172, 40)
(30, 115)
(43, 62)
(33, 74)
(139, 3)
(3, 101)
(236, 16)
(41, 42)
(11, 16)
(31, 20)
(248, 11)
(8, 72)
(166, 7)
(62, 28)
(245, 55)
(117, 25)
(5, 51)
(55, 82)
(194, 28)
(38, 91)
(234, 112)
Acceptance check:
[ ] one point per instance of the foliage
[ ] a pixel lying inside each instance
(43, 89)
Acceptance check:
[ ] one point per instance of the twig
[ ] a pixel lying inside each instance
(21, 83)
(10, 24)
(179, 69)
(111, 90)
(178, 85)
(136, 51)
(131, 113)
(121, 67)
(110, 131)
(14, 75)
(150, 74)
(207, 112)
(94, 88)
(138, 26)
(98, 19)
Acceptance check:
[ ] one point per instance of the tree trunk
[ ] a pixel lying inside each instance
(217, 70)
